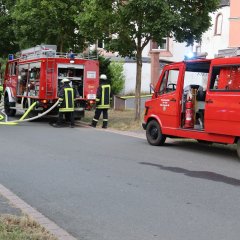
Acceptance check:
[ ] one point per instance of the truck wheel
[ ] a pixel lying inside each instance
(238, 147)
(10, 112)
(154, 134)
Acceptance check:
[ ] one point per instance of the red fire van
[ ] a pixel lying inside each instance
(198, 99)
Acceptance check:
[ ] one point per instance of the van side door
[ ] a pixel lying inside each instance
(222, 111)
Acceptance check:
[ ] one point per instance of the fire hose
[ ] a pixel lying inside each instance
(22, 119)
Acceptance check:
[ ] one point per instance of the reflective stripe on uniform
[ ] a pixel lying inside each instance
(69, 101)
(105, 99)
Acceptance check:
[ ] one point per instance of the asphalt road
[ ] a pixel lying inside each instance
(99, 185)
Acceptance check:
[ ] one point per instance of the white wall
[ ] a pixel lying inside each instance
(212, 43)
(130, 75)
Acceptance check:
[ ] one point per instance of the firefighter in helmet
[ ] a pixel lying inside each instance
(102, 102)
(66, 103)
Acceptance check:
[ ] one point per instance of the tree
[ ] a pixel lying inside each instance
(49, 22)
(117, 78)
(8, 42)
(114, 72)
(128, 26)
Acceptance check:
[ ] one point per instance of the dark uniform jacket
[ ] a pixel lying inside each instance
(103, 96)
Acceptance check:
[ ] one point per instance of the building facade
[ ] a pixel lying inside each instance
(223, 34)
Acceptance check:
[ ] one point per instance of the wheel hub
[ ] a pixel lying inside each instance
(154, 133)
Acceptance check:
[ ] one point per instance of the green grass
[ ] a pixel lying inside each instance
(120, 120)
(22, 228)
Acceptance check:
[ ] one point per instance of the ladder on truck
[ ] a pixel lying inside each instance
(50, 83)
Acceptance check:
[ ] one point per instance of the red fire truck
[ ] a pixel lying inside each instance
(198, 99)
(36, 76)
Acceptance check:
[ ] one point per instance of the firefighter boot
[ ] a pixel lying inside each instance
(105, 123)
(94, 123)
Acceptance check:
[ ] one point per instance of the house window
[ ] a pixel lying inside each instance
(218, 24)
(163, 46)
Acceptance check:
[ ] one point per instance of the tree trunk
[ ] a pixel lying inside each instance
(138, 85)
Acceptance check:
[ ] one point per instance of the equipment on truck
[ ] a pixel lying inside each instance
(36, 74)
(189, 114)
(211, 114)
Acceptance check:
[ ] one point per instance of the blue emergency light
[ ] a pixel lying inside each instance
(10, 56)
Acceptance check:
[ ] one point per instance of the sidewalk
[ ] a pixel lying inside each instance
(7, 208)
(13, 205)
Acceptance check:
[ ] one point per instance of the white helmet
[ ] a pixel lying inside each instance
(65, 80)
(103, 77)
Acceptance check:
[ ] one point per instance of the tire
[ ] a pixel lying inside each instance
(204, 142)
(238, 148)
(154, 134)
(9, 112)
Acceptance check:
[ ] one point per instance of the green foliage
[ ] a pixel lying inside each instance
(117, 78)
(49, 22)
(114, 72)
(8, 42)
(104, 64)
(128, 26)
(136, 22)
(3, 62)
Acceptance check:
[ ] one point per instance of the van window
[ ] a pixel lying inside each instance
(225, 78)
(169, 81)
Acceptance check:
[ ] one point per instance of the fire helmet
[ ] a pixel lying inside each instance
(65, 80)
(103, 77)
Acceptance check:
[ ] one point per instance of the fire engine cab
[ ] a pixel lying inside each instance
(198, 99)
(36, 76)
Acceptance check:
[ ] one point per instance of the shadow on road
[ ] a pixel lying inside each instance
(192, 146)
(197, 174)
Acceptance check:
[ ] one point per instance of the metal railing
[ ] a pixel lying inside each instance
(53, 54)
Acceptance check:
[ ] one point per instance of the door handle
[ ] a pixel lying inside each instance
(172, 100)
(209, 101)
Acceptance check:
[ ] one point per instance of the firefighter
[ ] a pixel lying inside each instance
(102, 102)
(66, 103)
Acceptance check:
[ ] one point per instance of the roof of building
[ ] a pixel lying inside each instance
(224, 3)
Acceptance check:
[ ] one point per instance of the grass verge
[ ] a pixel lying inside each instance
(120, 120)
(22, 228)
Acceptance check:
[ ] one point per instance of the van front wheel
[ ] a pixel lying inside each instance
(154, 133)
